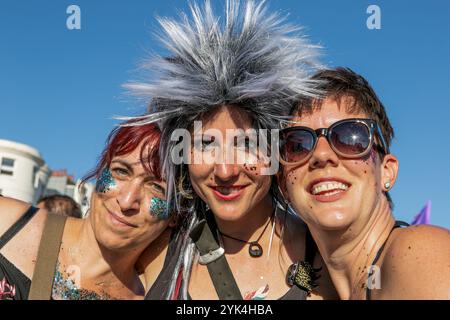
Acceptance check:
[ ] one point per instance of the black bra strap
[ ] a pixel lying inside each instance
(16, 227)
(397, 224)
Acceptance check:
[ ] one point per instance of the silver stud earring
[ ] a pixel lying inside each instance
(387, 185)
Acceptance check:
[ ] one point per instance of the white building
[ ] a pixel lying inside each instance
(23, 172)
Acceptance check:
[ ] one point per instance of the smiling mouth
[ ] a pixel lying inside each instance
(328, 190)
(328, 187)
(120, 221)
(228, 192)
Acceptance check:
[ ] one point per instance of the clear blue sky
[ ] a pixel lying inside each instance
(60, 88)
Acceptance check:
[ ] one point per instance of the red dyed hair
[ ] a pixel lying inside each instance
(125, 139)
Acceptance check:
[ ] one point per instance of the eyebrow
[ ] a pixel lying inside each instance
(126, 164)
(129, 166)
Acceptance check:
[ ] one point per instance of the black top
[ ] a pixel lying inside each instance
(14, 285)
(397, 224)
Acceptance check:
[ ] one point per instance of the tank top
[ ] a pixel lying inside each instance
(14, 285)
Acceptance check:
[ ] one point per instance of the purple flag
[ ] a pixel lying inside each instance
(423, 217)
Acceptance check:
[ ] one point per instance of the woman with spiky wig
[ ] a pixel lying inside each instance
(241, 73)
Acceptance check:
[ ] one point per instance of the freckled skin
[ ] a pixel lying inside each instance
(205, 175)
(363, 174)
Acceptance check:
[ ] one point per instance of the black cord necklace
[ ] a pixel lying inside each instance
(255, 250)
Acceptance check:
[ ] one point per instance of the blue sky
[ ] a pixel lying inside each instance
(59, 88)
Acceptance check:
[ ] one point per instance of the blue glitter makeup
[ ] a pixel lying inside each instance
(64, 288)
(105, 182)
(158, 208)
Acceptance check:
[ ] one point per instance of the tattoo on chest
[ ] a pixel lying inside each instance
(259, 294)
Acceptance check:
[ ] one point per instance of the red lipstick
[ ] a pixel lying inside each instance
(237, 192)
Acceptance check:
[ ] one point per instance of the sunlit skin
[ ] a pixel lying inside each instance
(207, 178)
(364, 176)
(243, 213)
(350, 225)
(122, 215)
(106, 246)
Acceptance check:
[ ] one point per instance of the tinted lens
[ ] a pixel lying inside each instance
(350, 138)
(296, 145)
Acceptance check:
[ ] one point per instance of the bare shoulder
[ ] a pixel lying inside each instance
(10, 211)
(416, 264)
(423, 240)
(22, 249)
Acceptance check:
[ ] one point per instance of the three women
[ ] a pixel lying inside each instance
(232, 78)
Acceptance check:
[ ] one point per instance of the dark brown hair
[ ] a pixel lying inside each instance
(62, 205)
(342, 83)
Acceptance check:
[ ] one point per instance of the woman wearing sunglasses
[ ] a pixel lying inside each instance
(239, 76)
(93, 258)
(337, 174)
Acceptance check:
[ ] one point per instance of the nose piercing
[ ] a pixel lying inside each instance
(387, 185)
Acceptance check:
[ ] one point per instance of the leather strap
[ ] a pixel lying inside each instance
(217, 265)
(44, 271)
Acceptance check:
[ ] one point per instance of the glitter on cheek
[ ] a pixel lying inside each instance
(158, 208)
(105, 182)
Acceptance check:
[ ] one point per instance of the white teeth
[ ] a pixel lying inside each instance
(329, 185)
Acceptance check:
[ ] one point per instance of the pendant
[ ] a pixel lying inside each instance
(255, 250)
(303, 275)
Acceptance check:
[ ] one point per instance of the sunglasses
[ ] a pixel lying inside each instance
(349, 138)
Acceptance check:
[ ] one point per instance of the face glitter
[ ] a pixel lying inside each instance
(158, 208)
(105, 182)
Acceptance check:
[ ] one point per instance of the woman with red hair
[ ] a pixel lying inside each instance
(45, 256)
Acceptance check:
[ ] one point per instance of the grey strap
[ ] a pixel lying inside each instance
(212, 255)
(44, 271)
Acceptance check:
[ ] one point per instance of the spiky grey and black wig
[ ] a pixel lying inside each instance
(252, 59)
